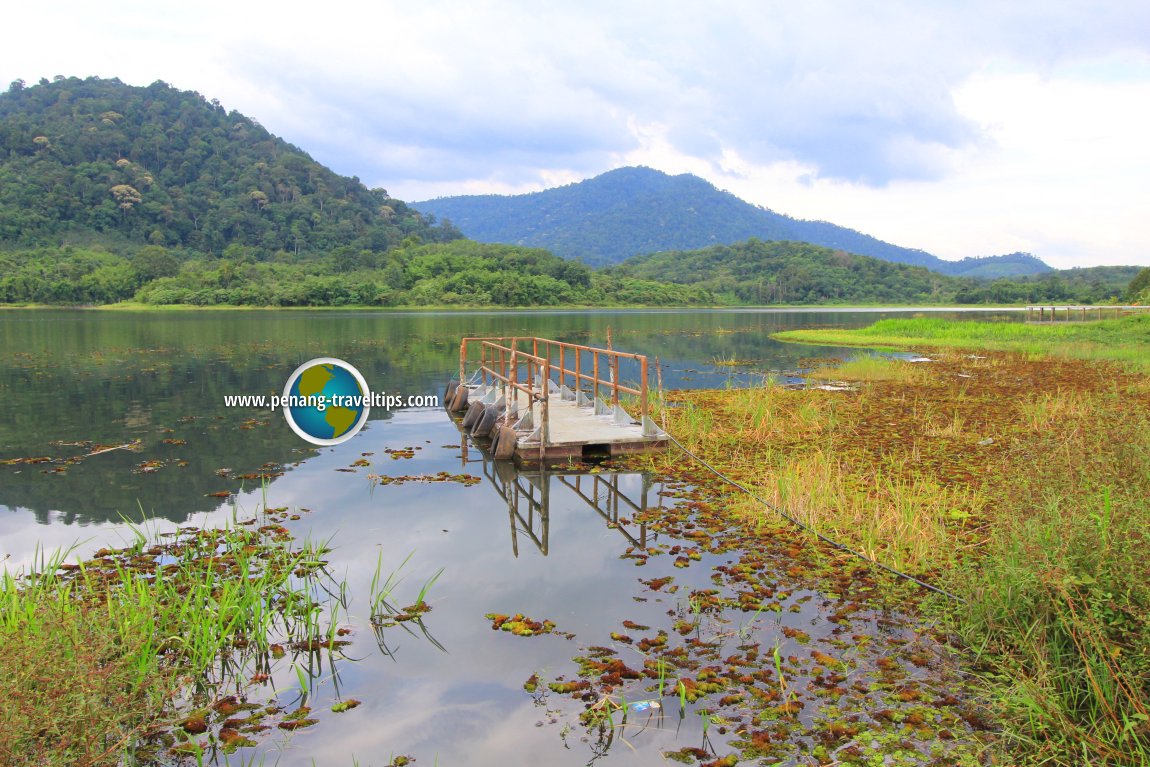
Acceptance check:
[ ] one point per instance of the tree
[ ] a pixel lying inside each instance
(1139, 289)
(126, 196)
(153, 262)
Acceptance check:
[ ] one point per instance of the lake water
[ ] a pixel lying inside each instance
(73, 381)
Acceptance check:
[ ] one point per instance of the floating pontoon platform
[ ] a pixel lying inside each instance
(518, 396)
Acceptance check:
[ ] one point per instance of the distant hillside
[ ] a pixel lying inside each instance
(758, 272)
(995, 267)
(633, 211)
(100, 162)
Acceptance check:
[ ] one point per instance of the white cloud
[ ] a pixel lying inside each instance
(960, 129)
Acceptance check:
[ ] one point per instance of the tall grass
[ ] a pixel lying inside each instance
(97, 653)
(1060, 609)
(1020, 481)
(905, 523)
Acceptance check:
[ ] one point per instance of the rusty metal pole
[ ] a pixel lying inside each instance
(578, 376)
(643, 389)
(514, 386)
(595, 375)
(545, 424)
(615, 380)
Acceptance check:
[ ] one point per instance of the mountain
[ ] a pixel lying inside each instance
(97, 161)
(632, 211)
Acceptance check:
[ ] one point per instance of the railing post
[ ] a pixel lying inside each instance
(503, 360)
(578, 375)
(462, 359)
(643, 388)
(595, 376)
(544, 412)
(615, 380)
(562, 369)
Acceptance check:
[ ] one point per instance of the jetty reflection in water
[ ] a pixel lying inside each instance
(622, 499)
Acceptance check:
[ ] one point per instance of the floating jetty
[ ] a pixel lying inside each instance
(540, 400)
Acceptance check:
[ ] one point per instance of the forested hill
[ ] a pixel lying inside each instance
(96, 161)
(633, 211)
(758, 272)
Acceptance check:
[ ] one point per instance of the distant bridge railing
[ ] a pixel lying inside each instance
(1054, 313)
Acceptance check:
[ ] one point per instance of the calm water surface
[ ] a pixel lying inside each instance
(71, 381)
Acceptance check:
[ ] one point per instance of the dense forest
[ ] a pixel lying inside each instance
(635, 211)
(94, 160)
(461, 272)
(757, 272)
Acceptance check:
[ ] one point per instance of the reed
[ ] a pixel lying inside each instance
(1019, 481)
(99, 652)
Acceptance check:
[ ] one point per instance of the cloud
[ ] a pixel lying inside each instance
(441, 97)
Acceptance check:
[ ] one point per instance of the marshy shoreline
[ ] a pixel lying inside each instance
(1011, 469)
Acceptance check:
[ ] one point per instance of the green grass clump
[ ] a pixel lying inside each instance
(1121, 340)
(1060, 610)
(97, 654)
(872, 369)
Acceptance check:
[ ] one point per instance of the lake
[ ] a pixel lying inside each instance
(113, 417)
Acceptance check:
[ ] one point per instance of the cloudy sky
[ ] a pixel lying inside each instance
(970, 128)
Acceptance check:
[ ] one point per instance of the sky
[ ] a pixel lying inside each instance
(965, 129)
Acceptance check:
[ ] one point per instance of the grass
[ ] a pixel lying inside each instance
(1019, 480)
(102, 658)
(872, 369)
(1120, 340)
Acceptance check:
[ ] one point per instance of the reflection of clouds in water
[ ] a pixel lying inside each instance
(23, 539)
(466, 722)
(431, 720)
(466, 705)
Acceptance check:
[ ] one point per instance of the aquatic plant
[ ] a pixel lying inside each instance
(103, 654)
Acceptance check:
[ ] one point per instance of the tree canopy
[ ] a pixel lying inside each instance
(98, 161)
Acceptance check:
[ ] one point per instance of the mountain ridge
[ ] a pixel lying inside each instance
(637, 210)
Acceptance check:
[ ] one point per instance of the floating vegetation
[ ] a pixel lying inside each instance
(135, 648)
(92, 448)
(384, 612)
(1000, 476)
(522, 626)
(443, 476)
(403, 452)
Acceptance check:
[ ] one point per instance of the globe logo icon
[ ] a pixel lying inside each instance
(326, 401)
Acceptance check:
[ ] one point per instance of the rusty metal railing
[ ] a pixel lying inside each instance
(501, 360)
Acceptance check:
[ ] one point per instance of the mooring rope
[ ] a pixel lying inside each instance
(799, 523)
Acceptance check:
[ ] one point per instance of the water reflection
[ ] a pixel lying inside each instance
(71, 378)
(528, 495)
